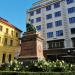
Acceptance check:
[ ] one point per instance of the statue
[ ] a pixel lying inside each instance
(30, 28)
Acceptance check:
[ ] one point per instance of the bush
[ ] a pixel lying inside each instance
(47, 66)
(38, 66)
(12, 66)
(3, 67)
(60, 66)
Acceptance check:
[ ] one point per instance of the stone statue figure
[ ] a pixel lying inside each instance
(30, 28)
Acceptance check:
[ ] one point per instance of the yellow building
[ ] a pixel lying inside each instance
(9, 41)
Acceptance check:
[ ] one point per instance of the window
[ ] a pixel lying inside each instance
(11, 42)
(56, 44)
(7, 30)
(9, 59)
(1, 28)
(62, 44)
(57, 4)
(49, 25)
(71, 10)
(38, 11)
(38, 27)
(73, 42)
(32, 20)
(12, 33)
(32, 13)
(72, 20)
(49, 45)
(58, 23)
(3, 58)
(38, 19)
(48, 8)
(72, 30)
(0, 39)
(57, 14)
(48, 16)
(59, 33)
(49, 34)
(69, 1)
(5, 42)
(16, 34)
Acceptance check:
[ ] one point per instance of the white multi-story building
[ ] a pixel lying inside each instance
(55, 19)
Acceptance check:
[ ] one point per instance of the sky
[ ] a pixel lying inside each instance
(15, 11)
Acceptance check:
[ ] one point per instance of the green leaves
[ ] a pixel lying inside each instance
(38, 66)
(48, 66)
(12, 66)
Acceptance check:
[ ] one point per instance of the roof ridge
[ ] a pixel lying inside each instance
(9, 24)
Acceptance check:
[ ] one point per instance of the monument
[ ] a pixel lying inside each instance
(31, 44)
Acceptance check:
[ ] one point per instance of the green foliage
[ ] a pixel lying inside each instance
(47, 66)
(3, 67)
(38, 66)
(60, 66)
(12, 66)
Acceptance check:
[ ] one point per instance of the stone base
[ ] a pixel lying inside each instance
(30, 58)
(31, 47)
(26, 60)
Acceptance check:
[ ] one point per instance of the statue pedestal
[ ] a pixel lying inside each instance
(31, 46)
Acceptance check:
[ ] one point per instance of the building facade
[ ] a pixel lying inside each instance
(9, 41)
(55, 20)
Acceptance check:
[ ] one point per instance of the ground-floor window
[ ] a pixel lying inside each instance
(73, 42)
(3, 58)
(9, 59)
(55, 44)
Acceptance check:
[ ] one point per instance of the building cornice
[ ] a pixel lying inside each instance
(8, 24)
(39, 5)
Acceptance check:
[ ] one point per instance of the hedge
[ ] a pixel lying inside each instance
(36, 73)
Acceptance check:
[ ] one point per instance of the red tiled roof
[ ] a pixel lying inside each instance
(7, 23)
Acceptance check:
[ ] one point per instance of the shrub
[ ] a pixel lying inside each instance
(38, 66)
(47, 66)
(12, 66)
(3, 67)
(60, 66)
